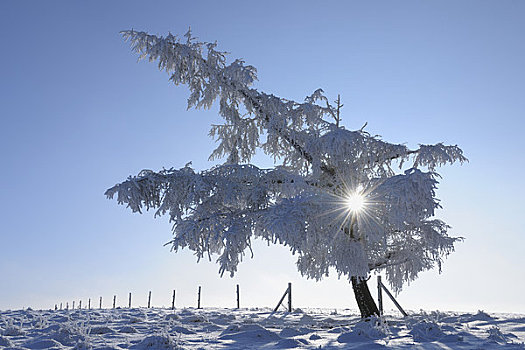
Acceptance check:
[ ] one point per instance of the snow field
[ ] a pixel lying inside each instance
(255, 328)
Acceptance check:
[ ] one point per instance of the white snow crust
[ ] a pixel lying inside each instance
(255, 328)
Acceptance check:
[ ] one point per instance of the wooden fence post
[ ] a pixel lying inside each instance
(89, 304)
(73, 308)
(100, 303)
(289, 297)
(60, 306)
(173, 301)
(379, 295)
(129, 303)
(67, 306)
(80, 304)
(114, 301)
(149, 299)
(238, 298)
(199, 298)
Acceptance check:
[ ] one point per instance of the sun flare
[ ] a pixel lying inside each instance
(355, 202)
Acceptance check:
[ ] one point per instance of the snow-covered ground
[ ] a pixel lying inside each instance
(255, 328)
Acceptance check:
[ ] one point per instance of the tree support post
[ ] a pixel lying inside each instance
(289, 297)
(289, 293)
(392, 298)
(379, 295)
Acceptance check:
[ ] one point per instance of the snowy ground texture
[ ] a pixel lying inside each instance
(214, 328)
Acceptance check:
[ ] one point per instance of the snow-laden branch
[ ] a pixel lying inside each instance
(292, 129)
(204, 70)
(216, 212)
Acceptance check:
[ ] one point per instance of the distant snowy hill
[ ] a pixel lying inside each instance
(214, 328)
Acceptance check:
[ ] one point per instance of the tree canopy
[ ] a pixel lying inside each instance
(302, 202)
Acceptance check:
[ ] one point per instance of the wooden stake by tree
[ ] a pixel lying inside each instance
(289, 293)
(238, 298)
(379, 296)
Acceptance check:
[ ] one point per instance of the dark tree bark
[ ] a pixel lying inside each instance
(367, 304)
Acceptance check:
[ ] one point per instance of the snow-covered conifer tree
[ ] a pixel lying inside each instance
(334, 197)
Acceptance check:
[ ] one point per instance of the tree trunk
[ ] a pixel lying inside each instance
(367, 305)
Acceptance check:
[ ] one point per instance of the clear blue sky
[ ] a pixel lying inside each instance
(79, 114)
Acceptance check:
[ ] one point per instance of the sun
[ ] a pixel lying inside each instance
(355, 202)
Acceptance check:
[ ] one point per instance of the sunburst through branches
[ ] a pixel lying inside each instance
(356, 201)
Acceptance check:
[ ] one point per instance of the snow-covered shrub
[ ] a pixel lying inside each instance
(40, 321)
(72, 333)
(426, 331)
(495, 335)
(373, 328)
(151, 342)
(13, 329)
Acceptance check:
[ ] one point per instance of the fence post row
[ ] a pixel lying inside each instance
(288, 293)
(380, 286)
